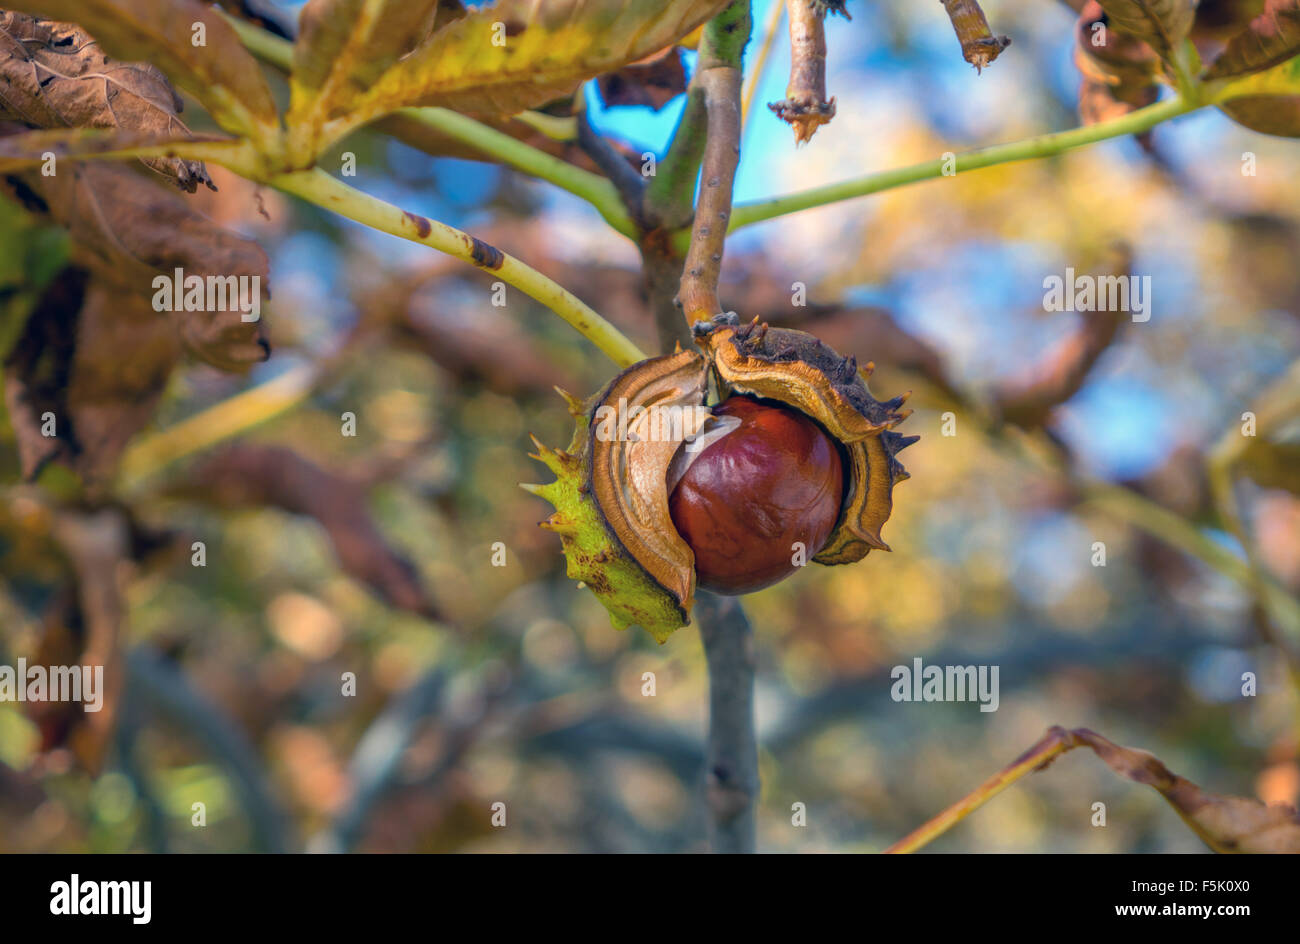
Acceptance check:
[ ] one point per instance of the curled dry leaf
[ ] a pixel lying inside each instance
(979, 46)
(219, 72)
(53, 75)
(1219, 20)
(83, 627)
(1269, 39)
(1119, 71)
(1225, 823)
(805, 107)
(250, 474)
(1029, 399)
(1162, 24)
(127, 232)
(94, 359)
(1268, 101)
(653, 81)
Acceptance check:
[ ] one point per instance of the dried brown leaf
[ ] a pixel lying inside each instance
(250, 474)
(653, 81)
(1119, 70)
(97, 360)
(1270, 39)
(1226, 823)
(128, 231)
(53, 75)
(1162, 24)
(84, 627)
(1267, 114)
(218, 71)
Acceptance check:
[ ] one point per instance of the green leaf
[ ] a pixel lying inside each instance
(1163, 24)
(499, 59)
(1273, 37)
(190, 43)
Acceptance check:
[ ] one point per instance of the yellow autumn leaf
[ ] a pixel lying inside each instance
(499, 59)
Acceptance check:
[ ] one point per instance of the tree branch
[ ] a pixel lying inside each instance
(1042, 146)
(670, 197)
(627, 183)
(805, 107)
(162, 689)
(731, 773)
(718, 76)
(593, 188)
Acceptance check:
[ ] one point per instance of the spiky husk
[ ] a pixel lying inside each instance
(594, 553)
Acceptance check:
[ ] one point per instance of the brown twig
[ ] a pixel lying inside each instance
(1224, 823)
(629, 184)
(806, 107)
(1028, 400)
(1055, 742)
(979, 46)
(698, 294)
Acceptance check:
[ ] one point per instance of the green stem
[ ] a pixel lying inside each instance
(1045, 145)
(230, 417)
(1277, 405)
(553, 126)
(593, 188)
(318, 187)
(670, 198)
(1137, 510)
(1177, 532)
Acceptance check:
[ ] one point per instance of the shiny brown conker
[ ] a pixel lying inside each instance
(744, 502)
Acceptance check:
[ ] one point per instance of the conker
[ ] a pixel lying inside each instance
(743, 503)
(657, 495)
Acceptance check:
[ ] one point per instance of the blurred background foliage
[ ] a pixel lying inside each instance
(477, 684)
